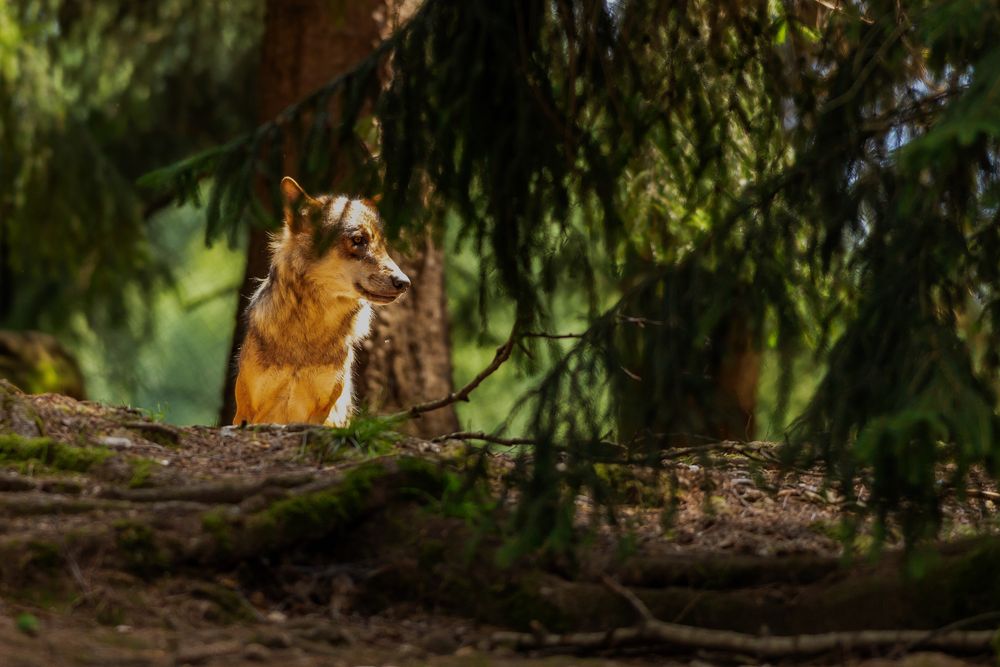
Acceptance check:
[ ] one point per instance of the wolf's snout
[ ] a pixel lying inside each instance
(400, 282)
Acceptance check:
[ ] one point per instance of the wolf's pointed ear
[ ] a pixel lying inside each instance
(373, 200)
(294, 199)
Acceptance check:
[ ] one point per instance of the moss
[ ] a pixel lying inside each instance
(215, 523)
(230, 606)
(424, 478)
(142, 470)
(27, 624)
(15, 449)
(313, 515)
(139, 548)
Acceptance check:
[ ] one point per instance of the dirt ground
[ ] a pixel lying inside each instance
(80, 583)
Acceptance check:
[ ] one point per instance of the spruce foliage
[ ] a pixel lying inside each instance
(820, 178)
(92, 93)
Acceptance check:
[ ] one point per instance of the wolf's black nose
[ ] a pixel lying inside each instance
(400, 282)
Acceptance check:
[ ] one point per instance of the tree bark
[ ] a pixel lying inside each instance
(407, 359)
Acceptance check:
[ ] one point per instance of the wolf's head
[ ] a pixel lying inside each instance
(337, 243)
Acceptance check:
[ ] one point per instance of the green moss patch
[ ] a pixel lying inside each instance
(17, 450)
(143, 553)
(142, 471)
(313, 515)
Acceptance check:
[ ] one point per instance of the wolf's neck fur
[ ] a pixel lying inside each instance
(288, 307)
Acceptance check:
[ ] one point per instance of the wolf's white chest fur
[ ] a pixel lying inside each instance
(343, 407)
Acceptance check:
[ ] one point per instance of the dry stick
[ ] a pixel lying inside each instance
(652, 631)
(744, 449)
(485, 437)
(502, 355)
(550, 336)
(979, 618)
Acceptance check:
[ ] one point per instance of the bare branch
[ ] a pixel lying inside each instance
(550, 336)
(502, 355)
(631, 598)
(485, 437)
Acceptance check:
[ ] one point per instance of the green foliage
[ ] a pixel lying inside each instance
(179, 368)
(28, 624)
(366, 436)
(91, 95)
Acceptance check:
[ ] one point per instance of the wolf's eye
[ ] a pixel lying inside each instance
(359, 240)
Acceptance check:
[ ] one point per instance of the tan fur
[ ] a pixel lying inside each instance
(313, 308)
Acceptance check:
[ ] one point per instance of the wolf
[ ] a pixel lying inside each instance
(329, 266)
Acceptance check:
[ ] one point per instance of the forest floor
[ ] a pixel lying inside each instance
(126, 541)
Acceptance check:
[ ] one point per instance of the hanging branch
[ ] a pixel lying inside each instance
(502, 355)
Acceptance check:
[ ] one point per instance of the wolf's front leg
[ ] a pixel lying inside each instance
(343, 404)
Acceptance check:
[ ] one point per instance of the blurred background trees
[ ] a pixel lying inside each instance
(745, 212)
(92, 95)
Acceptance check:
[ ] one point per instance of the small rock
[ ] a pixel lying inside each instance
(115, 442)
(276, 617)
(124, 629)
(465, 651)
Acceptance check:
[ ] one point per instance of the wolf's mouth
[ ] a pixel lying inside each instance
(375, 296)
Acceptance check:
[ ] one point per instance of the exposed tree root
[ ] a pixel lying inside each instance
(670, 635)
(227, 492)
(652, 632)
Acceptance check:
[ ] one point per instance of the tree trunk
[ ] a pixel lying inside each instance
(407, 359)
